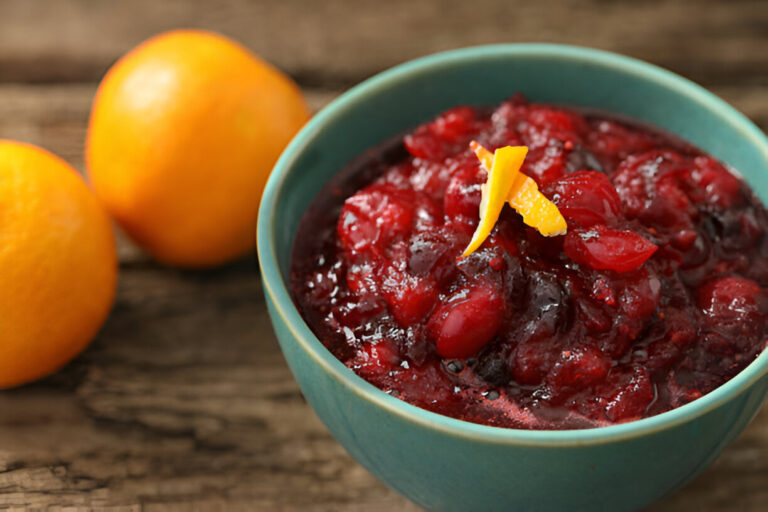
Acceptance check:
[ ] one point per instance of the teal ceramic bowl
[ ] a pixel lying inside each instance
(446, 464)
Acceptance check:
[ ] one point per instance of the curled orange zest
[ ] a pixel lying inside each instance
(506, 184)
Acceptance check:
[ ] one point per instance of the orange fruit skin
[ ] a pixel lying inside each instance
(183, 133)
(58, 263)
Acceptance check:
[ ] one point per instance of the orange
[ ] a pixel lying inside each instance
(506, 184)
(183, 132)
(58, 264)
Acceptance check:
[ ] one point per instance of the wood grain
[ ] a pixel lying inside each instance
(164, 410)
(338, 42)
(184, 402)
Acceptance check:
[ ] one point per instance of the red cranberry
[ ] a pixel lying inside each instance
(545, 164)
(603, 292)
(593, 315)
(511, 112)
(427, 214)
(410, 298)
(399, 175)
(649, 187)
(425, 385)
(433, 140)
(577, 369)
(720, 187)
(544, 124)
(640, 294)
(586, 198)
(374, 217)
(424, 144)
(462, 197)
(363, 278)
(626, 393)
(354, 312)
(613, 142)
(603, 248)
(430, 178)
(323, 286)
(435, 253)
(679, 330)
(467, 321)
(374, 360)
(454, 124)
(532, 361)
(735, 303)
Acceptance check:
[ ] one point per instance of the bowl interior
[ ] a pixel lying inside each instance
(405, 96)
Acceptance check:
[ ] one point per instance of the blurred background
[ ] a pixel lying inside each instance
(183, 402)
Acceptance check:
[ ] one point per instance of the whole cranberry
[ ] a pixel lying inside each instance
(410, 298)
(374, 360)
(374, 217)
(467, 321)
(650, 188)
(462, 197)
(577, 369)
(586, 198)
(626, 393)
(734, 303)
(603, 248)
(720, 188)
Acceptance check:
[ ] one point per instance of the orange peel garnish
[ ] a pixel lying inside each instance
(506, 184)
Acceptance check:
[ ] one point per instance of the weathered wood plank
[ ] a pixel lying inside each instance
(337, 42)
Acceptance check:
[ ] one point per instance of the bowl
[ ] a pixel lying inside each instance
(443, 463)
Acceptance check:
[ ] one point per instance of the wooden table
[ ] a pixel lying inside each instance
(184, 402)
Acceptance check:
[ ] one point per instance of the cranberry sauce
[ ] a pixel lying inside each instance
(656, 295)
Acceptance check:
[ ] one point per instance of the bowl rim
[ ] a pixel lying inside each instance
(277, 292)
